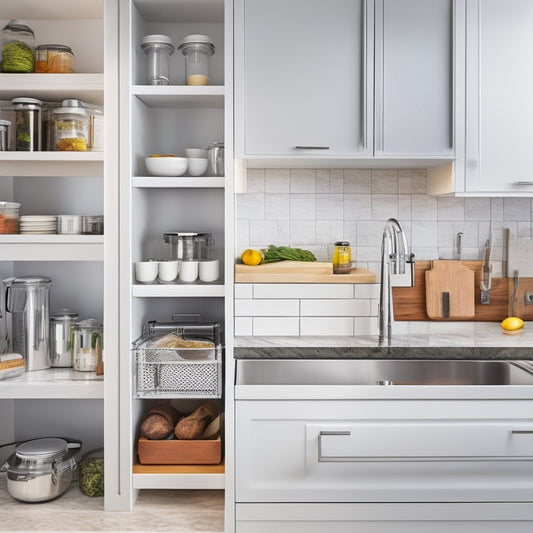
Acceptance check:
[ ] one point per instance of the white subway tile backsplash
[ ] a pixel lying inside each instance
(303, 206)
(357, 181)
(277, 180)
(329, 207)
(339, 307)
(518, 209)
(243, 326)
(302, 232)
(303, 290)
(243, 290)
(477, 209)
(423, 207)
(254, 307)
(450, 208)
(326, 326)
(277, 206)
(367, 290)
(329, 231)
(255, 180)
(250, 206)
(385, 181)
(302, 180)
(425, 234)
(263, 233)
(496, 209)
(357, 206)
(274, 327)
(366, 326)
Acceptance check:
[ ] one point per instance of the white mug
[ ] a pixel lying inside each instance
(146, 271)
(209, 270)
(168, 270)
(188, 271)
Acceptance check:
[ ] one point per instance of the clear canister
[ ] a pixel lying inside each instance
(17, 47)
(87, 344)
(48, 143)
(9, 218)
(158, 49)
(71, 128)
(197, 49)
(92, 225)
(5, 132)
(215, 159)
(26, 127)
(54, 58)
(60, 337)
(342, 258)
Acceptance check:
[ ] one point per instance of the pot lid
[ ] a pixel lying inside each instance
(41, 449)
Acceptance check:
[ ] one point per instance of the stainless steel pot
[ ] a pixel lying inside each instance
(41, 469)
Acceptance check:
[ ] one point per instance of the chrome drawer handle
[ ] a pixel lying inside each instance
(324, 459)
(523, 182)
(522, 431)
(312, 147)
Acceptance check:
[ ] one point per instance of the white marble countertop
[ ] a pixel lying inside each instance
(472, 340)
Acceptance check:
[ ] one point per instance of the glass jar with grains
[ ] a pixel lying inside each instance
(18, 43)
(71, 127)
(54, 58)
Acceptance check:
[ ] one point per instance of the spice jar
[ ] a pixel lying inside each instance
(18, 42)
(9, 218)
(197, 49)
(71, 127)
(87, 343)
(5, 132)
(342, 258)
(54, 58)
(158, 49)
(60, 338)
(26, 124)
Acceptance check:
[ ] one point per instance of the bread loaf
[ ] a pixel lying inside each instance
(159, 421)
(192, 427)
(11, 365)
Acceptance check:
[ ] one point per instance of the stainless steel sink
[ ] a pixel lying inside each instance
(382, 372)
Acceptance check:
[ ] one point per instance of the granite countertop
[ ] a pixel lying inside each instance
(481, 340)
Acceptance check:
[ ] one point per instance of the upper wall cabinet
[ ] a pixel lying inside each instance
(344, 79)
(303, 72)
(414, 78)
(499, 105)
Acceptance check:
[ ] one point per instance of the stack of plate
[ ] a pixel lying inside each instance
(38, 224)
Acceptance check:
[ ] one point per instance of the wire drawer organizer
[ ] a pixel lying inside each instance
(187, 371)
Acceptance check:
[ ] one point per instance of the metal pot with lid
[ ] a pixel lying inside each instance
(41, 469)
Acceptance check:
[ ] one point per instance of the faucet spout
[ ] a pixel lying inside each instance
(394, 258)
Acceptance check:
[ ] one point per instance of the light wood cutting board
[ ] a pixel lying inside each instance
(450, 290)
(299, 272)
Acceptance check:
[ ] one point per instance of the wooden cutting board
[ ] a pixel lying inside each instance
(299, 272)
(450, 290)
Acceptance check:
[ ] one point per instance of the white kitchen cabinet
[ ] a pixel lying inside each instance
(168, 119)
(62, 401)
(304, 78)
(498, 110)
(414, 79)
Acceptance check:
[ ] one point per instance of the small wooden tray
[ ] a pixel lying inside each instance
(179, 452)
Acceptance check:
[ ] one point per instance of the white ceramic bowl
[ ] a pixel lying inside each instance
(166, 166)
(197, 166)
(196, 152)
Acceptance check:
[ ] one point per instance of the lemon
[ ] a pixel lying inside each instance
(251, 257)
(512, 323)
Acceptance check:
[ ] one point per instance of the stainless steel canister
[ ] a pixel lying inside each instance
(26, 124)
(215, 158)
(5, 131)
(69, 224)
(60, 337)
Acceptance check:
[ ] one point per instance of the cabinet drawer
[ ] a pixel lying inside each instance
(371, 451)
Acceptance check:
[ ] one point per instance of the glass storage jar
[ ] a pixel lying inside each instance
(92, 225)
(342, 258)
(9, 218)
(197, 49)
(54, 58)
(5, 132)
(17, 48)
(71, 127)
(158, 49)
(87, 344)
(26, 128)
(60, 338)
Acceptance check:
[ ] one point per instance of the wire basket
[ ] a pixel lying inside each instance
(176, 372)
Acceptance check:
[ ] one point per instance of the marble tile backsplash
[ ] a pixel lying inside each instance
(313, 208)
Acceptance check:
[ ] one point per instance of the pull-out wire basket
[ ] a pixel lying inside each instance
(178, 372)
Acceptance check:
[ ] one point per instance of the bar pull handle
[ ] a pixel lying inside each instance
(523, 182)
(312, 147)
(522, 432)
(326, 459)
(363, 73)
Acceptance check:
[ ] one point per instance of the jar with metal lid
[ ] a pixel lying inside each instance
(69, 224)
(215, 159)
(87, 344)
(60, 337)
(92, 225)
(158, 49)
(197, 49)
(342, 258)
(17, 48)
(5, 132)
(9, 218)
(54, 58)
(71, 127)
(26, 129)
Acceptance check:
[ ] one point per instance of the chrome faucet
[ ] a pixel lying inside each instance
(397, 270)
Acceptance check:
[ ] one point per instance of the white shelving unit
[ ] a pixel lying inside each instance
(168, 119)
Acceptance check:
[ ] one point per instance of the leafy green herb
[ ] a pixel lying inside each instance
(91, 473)
(17, 57)
(285, 253)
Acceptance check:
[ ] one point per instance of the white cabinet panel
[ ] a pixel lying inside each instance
(303, 69)
(414, 76)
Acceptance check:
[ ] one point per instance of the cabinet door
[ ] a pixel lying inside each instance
(303, 70)
(499, 121)
(414, 77)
